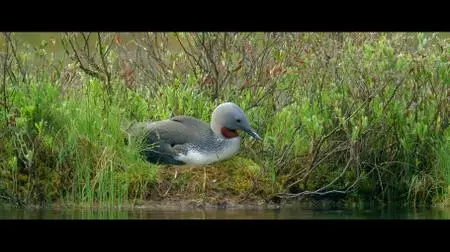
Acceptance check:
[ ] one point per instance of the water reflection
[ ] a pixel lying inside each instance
(9, 212)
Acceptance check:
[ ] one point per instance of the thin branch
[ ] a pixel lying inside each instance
(316, 164)
(154, 56)
(5, 65)
(11, 74)
(337, 178)
(319, 145)
(395, 91)
(192, 48)
(78, 59)
(89, 59)
(155, 43)
(210, 58)
(86, 43)
(12, 198)
(105, 67)
(286, 150)
(225, 41)
(189, 56)
(78, 44)
(110, 45)
(295, 195)
(318, 191)
(359, 178)
(19, 63)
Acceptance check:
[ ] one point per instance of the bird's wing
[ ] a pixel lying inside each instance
(171, 136)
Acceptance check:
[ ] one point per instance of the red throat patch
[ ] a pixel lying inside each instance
(227, 133)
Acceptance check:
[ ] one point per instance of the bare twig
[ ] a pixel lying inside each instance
(105, 67)
(190, 57)
(316, 164)
(16, 200)
(80, 63)
(319, 145)
(192, 49)
(18, 61)
(397, 86)
(209, 56)
(5, 65)
(295, 195)
(154, 55)
(337, 178)
(318, 191)
(288, 148)
(154, 65)
(86, 43)
(110, 46)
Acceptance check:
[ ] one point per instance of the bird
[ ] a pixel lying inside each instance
(184, 139)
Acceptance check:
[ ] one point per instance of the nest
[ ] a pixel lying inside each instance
(232, 182)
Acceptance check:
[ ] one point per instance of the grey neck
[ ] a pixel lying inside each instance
(216, 129)
(215, 125)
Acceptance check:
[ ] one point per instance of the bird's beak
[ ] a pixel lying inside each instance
(253, 133)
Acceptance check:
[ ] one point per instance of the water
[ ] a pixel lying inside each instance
(296, 212)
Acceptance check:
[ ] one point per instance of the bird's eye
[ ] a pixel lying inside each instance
(238, 120)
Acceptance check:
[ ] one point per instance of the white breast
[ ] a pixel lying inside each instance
(201, 158)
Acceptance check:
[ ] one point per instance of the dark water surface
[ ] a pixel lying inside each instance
(298, 212)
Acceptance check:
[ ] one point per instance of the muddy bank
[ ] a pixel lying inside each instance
(179, 205)
(235, 183)
(238, 183)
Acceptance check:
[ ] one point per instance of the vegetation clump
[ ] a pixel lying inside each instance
(352, 116)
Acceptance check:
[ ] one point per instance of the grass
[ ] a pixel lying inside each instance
(443, 170)
(363, 115)
(72, 149)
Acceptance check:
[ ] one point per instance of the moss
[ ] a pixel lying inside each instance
(229, 182)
